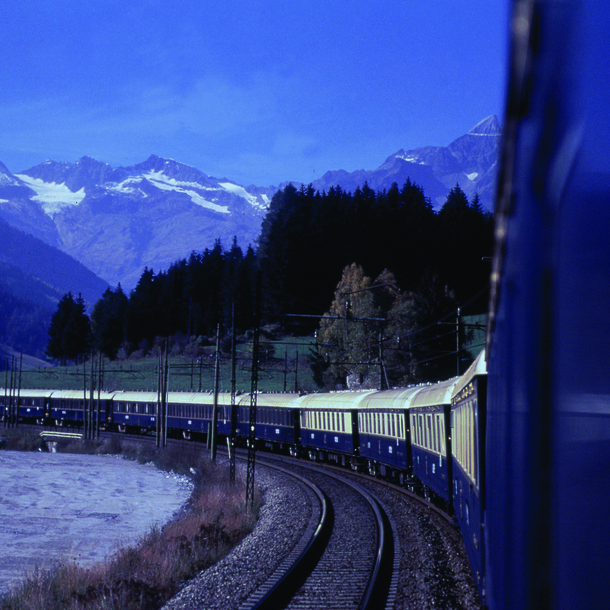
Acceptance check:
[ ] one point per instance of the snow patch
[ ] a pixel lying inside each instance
(6, 180)
(164, 183)
(240, 191)
(411, 159)
(53, 197)
(161, 181)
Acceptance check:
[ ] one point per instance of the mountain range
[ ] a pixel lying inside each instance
(116, 221)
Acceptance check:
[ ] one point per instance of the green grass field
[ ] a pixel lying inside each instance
(283, 367)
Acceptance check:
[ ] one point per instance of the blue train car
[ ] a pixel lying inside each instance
(192, 412)
(134, 411)
(430, 437)
(277, 420)
(66, 407)
(329, 425)
(548, 424)
(34, 405)
(468, 417)
(383, 426)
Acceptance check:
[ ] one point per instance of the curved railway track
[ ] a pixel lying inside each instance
(351, 564)
(367, 544)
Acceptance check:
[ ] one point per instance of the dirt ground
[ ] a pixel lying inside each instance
(77, 507)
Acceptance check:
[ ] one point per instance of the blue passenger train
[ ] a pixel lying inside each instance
(517, 448)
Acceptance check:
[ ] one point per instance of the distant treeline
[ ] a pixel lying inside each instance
(308, 238)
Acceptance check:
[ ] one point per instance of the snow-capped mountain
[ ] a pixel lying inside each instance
(470, 161)
(116, 221)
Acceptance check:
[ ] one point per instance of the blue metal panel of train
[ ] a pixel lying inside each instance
(134, 410)
(430, 436)
(329, 422)
(383, 430)
(468, 410)
(277, 419)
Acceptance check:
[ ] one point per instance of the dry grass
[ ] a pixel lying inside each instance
(146, 576)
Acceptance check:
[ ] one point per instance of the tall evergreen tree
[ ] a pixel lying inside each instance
(69, 330)
(108, 320)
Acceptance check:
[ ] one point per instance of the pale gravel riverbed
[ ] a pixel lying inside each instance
(77, 507)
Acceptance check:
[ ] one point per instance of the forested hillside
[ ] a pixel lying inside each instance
(314, 249)
(309, 237)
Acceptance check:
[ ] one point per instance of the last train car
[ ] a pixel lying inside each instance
(548, 415)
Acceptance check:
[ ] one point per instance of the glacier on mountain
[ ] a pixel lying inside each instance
(54, 198)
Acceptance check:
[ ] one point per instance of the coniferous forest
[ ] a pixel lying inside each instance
(321, 257)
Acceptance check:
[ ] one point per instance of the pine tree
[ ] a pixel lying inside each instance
(108, 321)
(69, 330)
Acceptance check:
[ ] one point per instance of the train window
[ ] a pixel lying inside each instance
(393, 417)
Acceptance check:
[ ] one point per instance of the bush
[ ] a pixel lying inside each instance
(17, 439)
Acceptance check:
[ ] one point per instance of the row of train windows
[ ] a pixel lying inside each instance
(23, 402)
(325, 420)
(67, 404)
(428, 431)
(463, 435)
(384, 424)
(266, 415)
(198, 411)
(135, 407)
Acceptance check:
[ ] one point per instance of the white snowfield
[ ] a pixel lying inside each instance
(82, 508)
(52, 197)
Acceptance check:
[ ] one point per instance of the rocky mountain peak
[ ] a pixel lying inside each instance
(489, 126)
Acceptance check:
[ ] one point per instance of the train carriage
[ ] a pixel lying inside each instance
(34, 405)
(134, 411)
(329, 425)
(468, 418)
(429, 410)
(191, 413)
(384, 433)
(67, 407)
(277, 420)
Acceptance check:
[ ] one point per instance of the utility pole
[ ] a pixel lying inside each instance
(253, 392)
(233, 413)
(214, 441)
(457, 335)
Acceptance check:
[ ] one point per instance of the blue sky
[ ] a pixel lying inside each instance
(259, 92)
